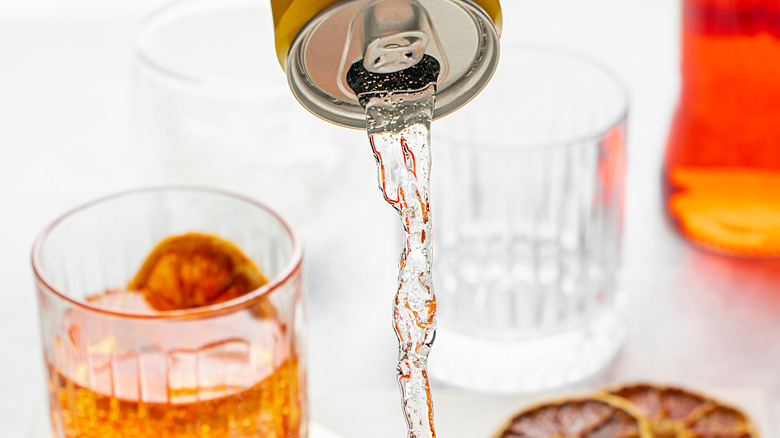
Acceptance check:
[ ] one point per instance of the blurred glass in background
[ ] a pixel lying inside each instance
(211, 100)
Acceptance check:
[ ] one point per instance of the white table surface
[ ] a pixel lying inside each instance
(695, 318)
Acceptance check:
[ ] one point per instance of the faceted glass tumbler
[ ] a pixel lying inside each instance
(117, 368)
(212, 106)
(528, 194)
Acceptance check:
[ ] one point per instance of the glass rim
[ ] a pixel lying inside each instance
(294, 263)
(234, 86)
(598, 132)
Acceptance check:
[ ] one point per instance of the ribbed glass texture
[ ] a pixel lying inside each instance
(528, 194)
(120, 369)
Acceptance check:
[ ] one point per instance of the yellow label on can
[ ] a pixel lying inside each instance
(291, 15)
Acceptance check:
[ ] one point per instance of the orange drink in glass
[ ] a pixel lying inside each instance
(224, 358)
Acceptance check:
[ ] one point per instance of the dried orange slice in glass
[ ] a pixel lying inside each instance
(679, 413)
(601, 416)
(195, 270)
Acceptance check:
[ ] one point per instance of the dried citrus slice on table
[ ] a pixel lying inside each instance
(720, 422)
(601, 416)
(195, 270)
(679, 413)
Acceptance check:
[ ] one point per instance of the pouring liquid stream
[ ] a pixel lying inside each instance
(398, 126)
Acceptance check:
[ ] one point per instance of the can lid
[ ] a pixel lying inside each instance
(466, 44)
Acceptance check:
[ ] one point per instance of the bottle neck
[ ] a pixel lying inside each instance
(729, 47)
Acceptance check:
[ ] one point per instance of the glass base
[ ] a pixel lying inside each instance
(529, 364)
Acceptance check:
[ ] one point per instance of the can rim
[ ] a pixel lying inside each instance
(350, 114)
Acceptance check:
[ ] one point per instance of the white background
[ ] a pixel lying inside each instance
(66, 137)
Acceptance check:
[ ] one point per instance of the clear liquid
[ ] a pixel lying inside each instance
(398, 126)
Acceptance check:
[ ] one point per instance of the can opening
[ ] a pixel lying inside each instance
(367, 84)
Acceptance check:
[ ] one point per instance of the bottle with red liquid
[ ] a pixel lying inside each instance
(721, 175)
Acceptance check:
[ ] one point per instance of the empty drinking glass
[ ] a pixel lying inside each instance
(213, 107)
(528, 217)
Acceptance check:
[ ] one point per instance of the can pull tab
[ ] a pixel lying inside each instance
(395, 52)
(390, 36)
